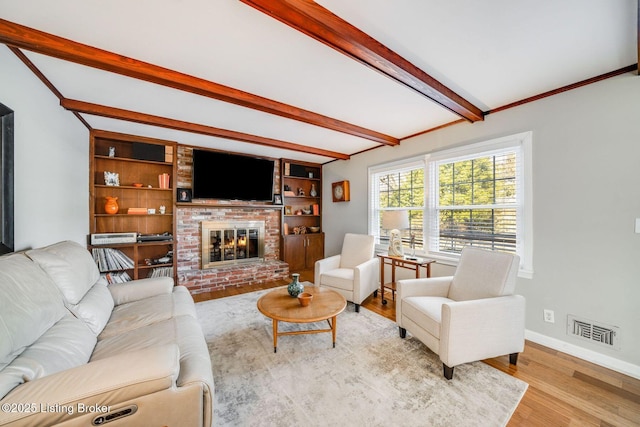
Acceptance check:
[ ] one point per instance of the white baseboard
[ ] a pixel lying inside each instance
(585, 354)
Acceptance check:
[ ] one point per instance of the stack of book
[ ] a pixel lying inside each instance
(109, 259)
(137, 211)
(116, 277)
(162, 272)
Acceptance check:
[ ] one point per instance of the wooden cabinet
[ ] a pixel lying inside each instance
(134, 168)
(303, 239)
(301, 251)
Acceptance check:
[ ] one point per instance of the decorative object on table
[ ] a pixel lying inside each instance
(412, 245)
(163, 209)
(163, 180)
(395, 221)
(112, 151)
(111, 178)
(184, 195)
(301, 192)
(313, 192)
(277, 199)
(295, 287)
(305, 298)
(340, 191)
(111, 206)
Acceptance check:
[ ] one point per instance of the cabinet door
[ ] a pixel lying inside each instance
(294, 252)
(315, 249)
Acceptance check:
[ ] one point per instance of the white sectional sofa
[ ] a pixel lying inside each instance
(77, 352)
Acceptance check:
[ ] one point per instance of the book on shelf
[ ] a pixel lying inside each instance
(110, 259)
(137, 211)
(161, 272)
(116, 277)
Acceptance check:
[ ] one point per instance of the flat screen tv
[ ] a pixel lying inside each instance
(225, 176)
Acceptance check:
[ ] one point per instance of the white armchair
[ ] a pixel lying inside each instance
(354, 273)
(472, 315)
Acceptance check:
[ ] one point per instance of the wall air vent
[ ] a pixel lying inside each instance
(606, 335)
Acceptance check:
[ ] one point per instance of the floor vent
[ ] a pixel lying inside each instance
(588, 330)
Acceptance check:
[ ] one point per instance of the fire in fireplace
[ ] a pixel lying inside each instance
(231, 242)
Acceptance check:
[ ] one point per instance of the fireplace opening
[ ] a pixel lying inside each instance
(232, 242)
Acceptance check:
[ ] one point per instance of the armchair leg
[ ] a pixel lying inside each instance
(357, 308)
(403, 332)
(448, 372)
(513, 358)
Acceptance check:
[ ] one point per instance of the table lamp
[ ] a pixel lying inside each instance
(395, 221)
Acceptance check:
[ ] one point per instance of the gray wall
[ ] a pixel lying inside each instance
(586, 196)
(51, 160)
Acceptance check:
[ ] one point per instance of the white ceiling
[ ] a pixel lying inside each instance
(492, 53)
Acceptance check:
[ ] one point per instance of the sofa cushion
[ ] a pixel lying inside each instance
(185, 331)
(356, 249)
(75, 273)
(425, 311)
(341, 278)
(95, 308)
(484, 274)
(71, 267)
(30, 304)
(67, 344)
(136, 314)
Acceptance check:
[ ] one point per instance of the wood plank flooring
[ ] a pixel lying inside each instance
(563, 390)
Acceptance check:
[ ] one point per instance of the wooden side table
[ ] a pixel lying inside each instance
(411, 264)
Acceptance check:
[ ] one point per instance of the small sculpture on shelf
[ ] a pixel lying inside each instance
(313, 192)
(301, 192)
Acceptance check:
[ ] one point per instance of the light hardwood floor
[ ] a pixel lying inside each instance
(563, 390)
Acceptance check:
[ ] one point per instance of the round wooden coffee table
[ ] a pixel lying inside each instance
(279, 306)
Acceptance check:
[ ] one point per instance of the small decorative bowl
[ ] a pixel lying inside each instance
(137, 184)
(305, 298)
(314, 229)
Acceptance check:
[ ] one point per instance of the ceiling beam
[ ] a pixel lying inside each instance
(164, 122)
(22, 37)
(22, 57)
(319, 23)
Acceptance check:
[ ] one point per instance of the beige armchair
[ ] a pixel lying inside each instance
(472, 315)
(354, 273)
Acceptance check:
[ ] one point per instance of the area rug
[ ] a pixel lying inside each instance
(371, 378)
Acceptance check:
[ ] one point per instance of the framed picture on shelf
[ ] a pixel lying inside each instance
(184, 195)
(288, 210)
(112, 178)
(277, 199)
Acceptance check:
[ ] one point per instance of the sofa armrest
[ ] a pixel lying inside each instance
(140, 289)
(480, 329)
(326, 264)
(366, 279)
(426, 287)
(103, 383)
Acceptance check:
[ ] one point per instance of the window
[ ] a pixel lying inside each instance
(479, 195)
(399, 186)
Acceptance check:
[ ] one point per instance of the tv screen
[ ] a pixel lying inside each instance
(218, 175)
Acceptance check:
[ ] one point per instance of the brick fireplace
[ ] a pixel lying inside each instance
(188, 250)
(218, 277)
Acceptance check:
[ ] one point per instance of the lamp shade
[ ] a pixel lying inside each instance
(395, 220)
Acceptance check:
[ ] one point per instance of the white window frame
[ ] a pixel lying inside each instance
(521, 141)
(374, 173)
